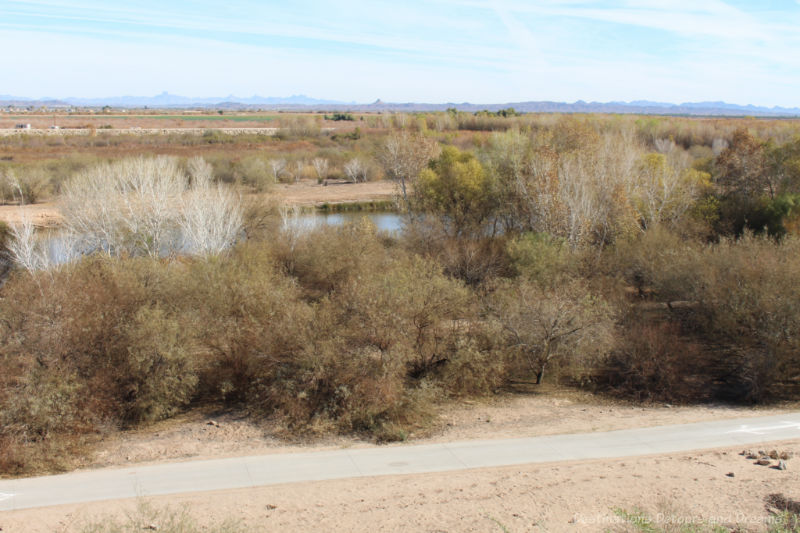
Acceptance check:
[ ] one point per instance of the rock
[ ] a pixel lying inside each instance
(152, 527)
(781, 465)
(786, 455)
(730, 474)
(773, 454)
(764, 461)
(271, 507)
(752, 456)
(212, 423)
(762, 453)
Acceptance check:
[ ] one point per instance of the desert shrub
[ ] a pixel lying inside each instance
(249, 321)
(378, 345)
(85, 348)
(654, 264)
(23, 186)
(156, 374)
(542, 258)
(738, 297)
(5, 235)
(653, 362)
(545, 327)
(298, 126)
(322, 259)
(472, 260)
(748, 298)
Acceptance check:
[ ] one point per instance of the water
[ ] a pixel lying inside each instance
(59, 248)
(391, 222)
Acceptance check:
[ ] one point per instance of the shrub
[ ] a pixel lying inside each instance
(547, 327)
(653, 362)
(155, 373)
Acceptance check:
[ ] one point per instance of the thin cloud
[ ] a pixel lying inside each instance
(440, 50)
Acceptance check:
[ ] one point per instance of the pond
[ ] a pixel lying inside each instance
(56, 248)
(391, 222)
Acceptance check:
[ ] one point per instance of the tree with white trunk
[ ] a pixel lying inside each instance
(356, 170)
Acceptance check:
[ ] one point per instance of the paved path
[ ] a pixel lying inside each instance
(242, 472)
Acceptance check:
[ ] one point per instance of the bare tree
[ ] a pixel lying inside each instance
(662, 193)
(594, 184)
(200, 171)
(528, 176)
(26, 249)
(211, 216)
(126, 207)
(142, 206)
(299, 168)
(356, 170)
(403, 157)
(320, 167)
(664, 146)
(719, 145)
(294, 225)
(277, 166)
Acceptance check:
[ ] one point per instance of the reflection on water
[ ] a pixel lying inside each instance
(391, 222)
(61, 248)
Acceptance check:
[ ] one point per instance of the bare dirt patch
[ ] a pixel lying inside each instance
(311, 193)
(206, 435)
(568, 496)
(44, 215)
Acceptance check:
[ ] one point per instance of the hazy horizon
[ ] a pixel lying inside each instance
(476, 51)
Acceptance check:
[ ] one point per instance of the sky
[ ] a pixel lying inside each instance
(479, 51)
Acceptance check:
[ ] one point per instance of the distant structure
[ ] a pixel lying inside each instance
(23, 126)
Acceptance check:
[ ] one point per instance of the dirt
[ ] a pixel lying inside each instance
(43, 215)
(567, 496)
(209, 434)
(681, 488)
(309, 192)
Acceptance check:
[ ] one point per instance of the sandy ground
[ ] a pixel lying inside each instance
(311, 193)
(568, 496)
(206, 435)
(44, 214)
(305, 193)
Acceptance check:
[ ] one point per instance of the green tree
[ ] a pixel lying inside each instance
(457, 187)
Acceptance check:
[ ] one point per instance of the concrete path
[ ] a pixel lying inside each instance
(242, 472)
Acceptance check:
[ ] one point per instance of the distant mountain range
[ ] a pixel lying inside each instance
(305, 103)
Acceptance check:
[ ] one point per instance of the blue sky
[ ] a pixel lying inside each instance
(480, 51)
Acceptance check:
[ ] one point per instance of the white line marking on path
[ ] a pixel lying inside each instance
(759, 430)
(4, 496)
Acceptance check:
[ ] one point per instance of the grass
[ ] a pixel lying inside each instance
(347, 207)
(149, 517)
